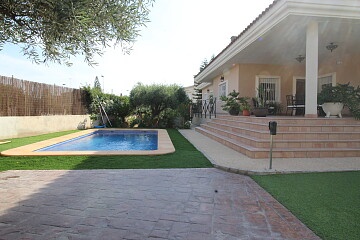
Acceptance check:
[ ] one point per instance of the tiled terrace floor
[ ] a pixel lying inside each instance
(141, 204)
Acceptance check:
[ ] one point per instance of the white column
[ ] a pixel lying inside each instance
(312, 53)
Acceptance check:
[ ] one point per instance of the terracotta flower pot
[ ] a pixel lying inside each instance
(246, 113)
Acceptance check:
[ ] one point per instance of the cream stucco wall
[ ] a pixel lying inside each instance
(242, 77)
(231, 77)
(14, 127)
(346, 68)
(248, 73)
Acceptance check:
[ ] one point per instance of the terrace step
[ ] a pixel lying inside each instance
(290, 140)
(293, 127)
(296, 137)
(292, 120)
(285, 133)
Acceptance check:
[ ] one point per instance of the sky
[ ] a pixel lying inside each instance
(170, 50)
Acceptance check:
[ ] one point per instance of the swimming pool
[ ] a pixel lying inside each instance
(114, 140)
(52, 147)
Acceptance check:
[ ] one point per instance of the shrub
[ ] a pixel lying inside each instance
(162, 103)
(116, 107)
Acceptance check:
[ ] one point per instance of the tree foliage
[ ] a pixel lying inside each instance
(152, 101)
(55, 30)
(116, 107)
(204, 64)
(97, 84)
(197, 95)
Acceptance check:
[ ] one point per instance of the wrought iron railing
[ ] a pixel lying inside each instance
(204, 108)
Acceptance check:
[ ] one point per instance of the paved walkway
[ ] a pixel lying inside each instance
(229, 160)
(200, 204)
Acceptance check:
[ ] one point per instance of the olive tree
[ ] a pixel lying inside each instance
(55, 30)
(157, 102)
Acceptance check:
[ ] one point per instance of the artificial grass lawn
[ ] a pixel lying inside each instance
(328, 203)
(185, 156)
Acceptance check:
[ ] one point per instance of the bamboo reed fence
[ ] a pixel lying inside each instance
(25, 98)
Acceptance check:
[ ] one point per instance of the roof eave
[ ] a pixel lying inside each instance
(274, 14)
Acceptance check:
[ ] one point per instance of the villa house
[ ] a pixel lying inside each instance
(325, 32)
(293, 48)
(189, 91)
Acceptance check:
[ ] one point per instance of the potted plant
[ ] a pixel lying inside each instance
(232, 104)
(245, 106)
(260, 109)
(353, 101)
(333, 98)
(275, 108)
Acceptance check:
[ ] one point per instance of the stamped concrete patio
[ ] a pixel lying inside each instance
(141, 204)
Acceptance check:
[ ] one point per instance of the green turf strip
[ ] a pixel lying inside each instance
(185, 156)
(328, 203)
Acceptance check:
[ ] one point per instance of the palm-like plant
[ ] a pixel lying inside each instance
(232, 103)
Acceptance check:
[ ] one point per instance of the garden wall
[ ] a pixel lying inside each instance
(14, 127)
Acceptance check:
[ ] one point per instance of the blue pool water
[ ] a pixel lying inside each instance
(116, 140)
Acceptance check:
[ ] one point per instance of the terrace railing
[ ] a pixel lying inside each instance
(204, 108)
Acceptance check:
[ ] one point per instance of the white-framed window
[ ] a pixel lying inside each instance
(207, 94)
(223, 91)
(326, 80)
(271, 86)
(323, 80)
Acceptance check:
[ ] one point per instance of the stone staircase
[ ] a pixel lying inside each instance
(297, 137)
